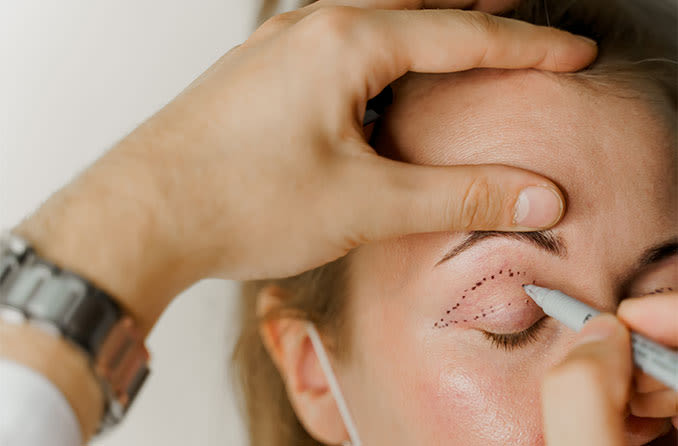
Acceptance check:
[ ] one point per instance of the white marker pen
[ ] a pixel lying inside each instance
(656, 360)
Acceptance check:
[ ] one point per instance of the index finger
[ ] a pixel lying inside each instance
(654, 316)
(441, 41)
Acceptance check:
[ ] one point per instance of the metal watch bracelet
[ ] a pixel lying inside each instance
(61, 303)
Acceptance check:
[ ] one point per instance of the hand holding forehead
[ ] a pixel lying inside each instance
(386, 42)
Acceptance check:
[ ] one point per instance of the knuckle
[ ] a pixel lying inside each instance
(277, 22)
(479, 208)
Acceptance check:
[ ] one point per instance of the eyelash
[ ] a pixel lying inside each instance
(511, 341)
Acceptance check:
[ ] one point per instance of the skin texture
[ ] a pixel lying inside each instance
(410, 382)
(200, 191)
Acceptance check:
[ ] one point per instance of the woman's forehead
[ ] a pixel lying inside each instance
(538, 121)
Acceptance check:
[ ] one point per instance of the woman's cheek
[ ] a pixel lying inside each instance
(471, 405)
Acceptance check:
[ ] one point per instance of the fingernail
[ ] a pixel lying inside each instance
(537, 207)
(587, 40)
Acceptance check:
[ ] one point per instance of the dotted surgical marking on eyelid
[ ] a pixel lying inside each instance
(483, 312)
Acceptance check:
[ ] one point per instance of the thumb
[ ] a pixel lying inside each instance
(584, 397)
(394, 198)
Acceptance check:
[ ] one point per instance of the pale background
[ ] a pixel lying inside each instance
(76, 76)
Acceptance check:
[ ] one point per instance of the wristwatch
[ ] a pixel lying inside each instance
(64, 304)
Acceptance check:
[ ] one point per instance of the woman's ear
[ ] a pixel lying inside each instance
(290, 347)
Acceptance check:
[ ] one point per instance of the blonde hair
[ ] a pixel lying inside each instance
(637, 52)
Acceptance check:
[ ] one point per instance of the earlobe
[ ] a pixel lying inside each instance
(290, 347)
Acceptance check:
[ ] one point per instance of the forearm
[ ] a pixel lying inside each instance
(104, 226)
(108, 226)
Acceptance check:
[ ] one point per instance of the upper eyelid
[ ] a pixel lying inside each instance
(511, 341)
(538, 323)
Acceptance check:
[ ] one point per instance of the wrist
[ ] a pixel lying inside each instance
(107, 227)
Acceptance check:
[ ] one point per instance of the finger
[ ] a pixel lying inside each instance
(282, 21)
(395, 4)
(654, 316)
(584, 397)
(644, 383)
(659, 404)
(390, 198)
(436, 41)
(490, 6)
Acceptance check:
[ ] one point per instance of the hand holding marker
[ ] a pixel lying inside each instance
(652, 358)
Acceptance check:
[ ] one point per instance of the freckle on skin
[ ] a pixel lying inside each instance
(475, 318)
(473, 288)
(465, 320)
(492, 277)
(500, 271)
(448, 311)
(483, 314)
(509, 304)
(484, 279)
(511, 275)
(463, 297)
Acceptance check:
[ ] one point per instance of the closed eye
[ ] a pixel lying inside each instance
(511, 341)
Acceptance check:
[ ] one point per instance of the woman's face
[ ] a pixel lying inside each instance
(425, 367)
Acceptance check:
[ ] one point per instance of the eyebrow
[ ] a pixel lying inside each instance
(545, 240)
